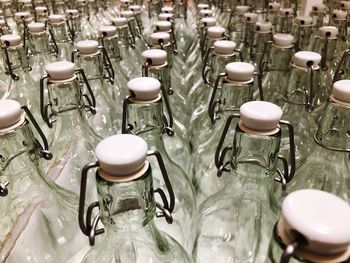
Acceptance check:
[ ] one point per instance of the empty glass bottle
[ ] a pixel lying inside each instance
(127, 205)
(32, 205)
(233, 225)
(57, 24)
(313, 227)
(302, 32)
(41, 14)
(285, 20)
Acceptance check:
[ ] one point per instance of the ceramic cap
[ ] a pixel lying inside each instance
(127, 14)
(155, 57)
(72, 12)
(14, 40)
(251, 17)
(54, 19)
(239, 71)
(165, 17)
(10, 113)
(20, 15)
(60, 70)
(260, 115)
(205, 13)
(286, 12)
(108, 31)
(341, 90)
(224, 47)
(202, 6)
(158, 37)
(135, 8)
(301, 58)
(339, 14)
(328, 31)
(41, 9)
(208, 21)
(322, 218)
(216, 32)
(283, 40)
(167, 9)
(319, 8)
(36, 27)
(241, 9)
(274, 6)
(304, 20)
(144, 88)
(345, 5)
(263, 27)
(119, 21)
(163, 26)
(87, 47)
(121, 155)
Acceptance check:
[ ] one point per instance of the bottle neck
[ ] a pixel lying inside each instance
(40, 42)
(279, 59)
(126, 206)
(233, 95)
(92, 66)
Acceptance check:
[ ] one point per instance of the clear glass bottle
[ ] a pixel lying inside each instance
(285, 20)
(73, 24)
(32, 205)
(302, 31)
(318, 14)
(236, 23)
(246, 42)
(143, 116)
(234, 224)
(338, 20)
(22, 19)
(275, 67)
(272, 13)
(99, 72)
(262, 35)
(63, 102)
(127, 206)
(41, 14)
(214, 33)
(57, 24)
(313, 227)
(326, 168)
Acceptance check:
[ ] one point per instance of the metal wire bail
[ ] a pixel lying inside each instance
(214, 103)
(3, 188)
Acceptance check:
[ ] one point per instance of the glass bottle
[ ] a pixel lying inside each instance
(304, 99)
(41, 50)
(234, 224)
(41, 14)
(236, 23)
(22, 19)
(275, 67)
(63, 104)
(318, 14)
(99, 72)
(302, 32)
(285, 20)
(272, 13)
(32, 205)
(247, 36)
(127, 206)
(73, 24)
(19, 83)
(143, 116)
(60, 33)
(87, 30)
(326, 168)
(313, 227)
(214, 33)
(262, 35)
(231, 90)
(338, 20)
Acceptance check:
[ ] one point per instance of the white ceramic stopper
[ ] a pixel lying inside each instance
(328, 31)
(119, 21)
(60, 70)
(216, 32)
(127, 14)
(345, 5)
(87, 47)
(20, 15)
(13, 40)
(319, 8)
(251, 17)
(167, 9)
(155, 57)
(241, 9)
(322, 218)
(286, 12)
(10, 113)
(165, 17)
(81, 2)
(72, 12)
(157, 38)
(341, 90)
(339, 15)
(135, 8)
(144, 88)
(163, 26)
(304, 20)
(36, 27)
(202, 6)
(303, 58)
(208, 21)
(2, 22)
(263, 27)
(239, 71)
(224, 47)
(41, 9)
(205, 13)
(283, 40)
(260, 115)
(274, 6)
(56, 19)
(108, 31)
(121, 155)
(25, 1)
